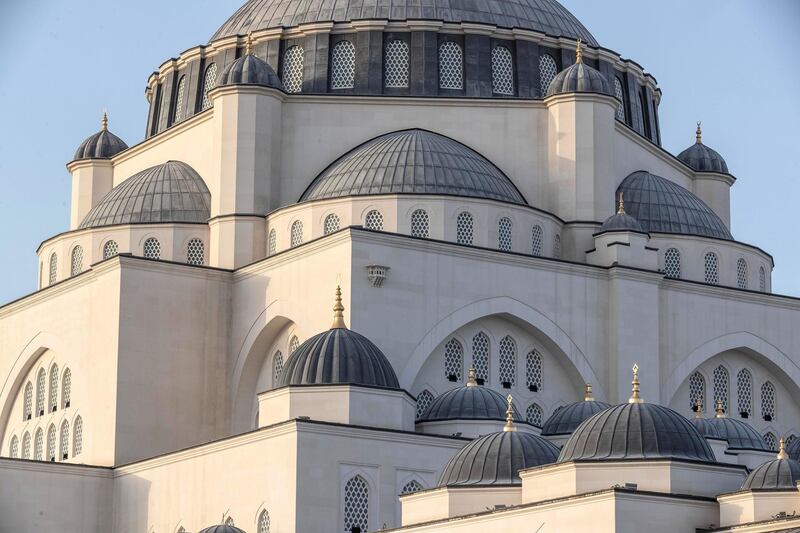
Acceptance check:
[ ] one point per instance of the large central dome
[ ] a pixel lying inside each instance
(546, 16)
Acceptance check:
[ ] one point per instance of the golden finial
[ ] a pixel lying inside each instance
(635, 398)
(782, 449)
(510, 415)
(699, 133)
(104, 122)
(471, 380)
(587, 394)
(579, 53)
(621, 210)
(720, 410)
(338, 311)
(248, 44)
(698, 408)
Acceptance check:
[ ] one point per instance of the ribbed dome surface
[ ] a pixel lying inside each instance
(579, 78)
(703, 159)
(661, 206)
(793, 449)
(566, 419)
(546, 16)
(101, 145)
(468, 403)
(339, 356)
(222, 529)
(621, 222)
(250, 70)
(413, 162)
(636, 431)
(170, 192)
(705, 428)
(740, 435)
(496, 459)
(774, 475)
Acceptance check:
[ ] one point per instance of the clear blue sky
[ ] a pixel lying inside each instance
(730, 63)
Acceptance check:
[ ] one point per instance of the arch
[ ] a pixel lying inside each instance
(292, 73)
(51, 442)
(762, 279)
(209, 83)
(424, 399)
(711, 268)
(481, 356)
(41, 400)
(697, 391)
(110, 249)
(420, 224)
(547, 71)
(53, 274)
(620, 94)
(77, 436)
(396, 64)
(76, 260)
(13, 447)
(772, 442)
(451, 66)
(26, 446)
(64, 441)
(331, 224)
(66, 388)
(263, 521)
(465, 228)
(534, 415)
(502, 71)
(453, 360)
(672, 263)
(507, 365)
(195, 251)
(294, 342)
(505, 236)
(769, 402)
(356, 503)
(537, 239)
(374, 220)
(151, 249)
(277, 368)
(534, 378)
(721, 381)
(177, 114)
(343, 65)
(272, 242)
(557, 246)
(744, 393)
(52, 405)
(741, 273)
(38, 445)
(27, 406)
(296, 233)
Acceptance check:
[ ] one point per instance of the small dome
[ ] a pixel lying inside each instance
(101, 145)
(705, 427)
(339, 356)
(566, 419)
(740, 435)
(222, 529)
(250, 70)
(782, 473)
(701, 158)
(579, 78)
(621, 221)
(793, 449)
(170, 192)
(470, 402)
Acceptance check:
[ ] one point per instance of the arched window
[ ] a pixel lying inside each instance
(66, 389)
(53, 268)
(152, 248)
(712, 268)
(195, 252)
(762, 279)
(38, 445)
(53, 390)
(331, 224)
(771, 441)
(277, 368)
(508, 361)
(768, 401)
(374, 220)
(502, 71)
(26, 446)
(697, 390)
(296, 233)
(293, 344)
(263, 522)
(533, 371)
(420, 223)
(453, 360)
(293, 69)
(620, 94)
(343, 65)
(272, 243)
(721, 386)
(64, 440)
(480, 357)
(744, 392)
(672, 263)
(209, 82)
(504, 234)
(110, 249)
(557, 246)
(464, 228)
(229, 521)
(356, 504)
(77, 437)
(40, 380)
(534, 415)
(741, 273)
(179, 96)
(76, 261)
(451, 66)
(396, 64)
(424, 399)
(13, 448)
(27, 407)
(411, 487)
(537, 236)
(547, 71)
(790, 439)
(51, 443)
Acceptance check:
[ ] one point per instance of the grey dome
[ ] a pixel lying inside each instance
(705, 427)
(413, 162)
(793, 449)
(567, 419)
(496, 459)
(740, 435)
(250, 70)
(101, 145)
(470, 402)
(661, 206)
(170, 192)
(621, 222)
(222, 529)
(778, 474)
(702, 158)
(636, 431)
(579, 78)
(545, 16)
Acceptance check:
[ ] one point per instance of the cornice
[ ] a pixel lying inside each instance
(76, 233)
(581, 97)
(47, 467)
(78, 164)
(727, 179)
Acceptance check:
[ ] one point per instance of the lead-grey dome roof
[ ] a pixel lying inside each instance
(546, 16)
(579, 78)
(470, 402)
(702, 158)
(662, 206)
(413, 162)
(170, 192)
(621, 222)
(793, 449)
(101, 145)
(222, 529)
(250, 70)
(778, 474)
(496, 459)
(566, 419)
(705, 427)
(740, 435)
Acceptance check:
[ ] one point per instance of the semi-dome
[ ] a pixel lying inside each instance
(661, 206)
(470, 402)
(222, 529)
(621, 221)
(250, 70)
(101, 145)
(545, 16)
(566, 419)
(339, 356)
(579, 78)
(413, 162)
(740, 435)
(171, 192)
(782, 473)
(702, 158)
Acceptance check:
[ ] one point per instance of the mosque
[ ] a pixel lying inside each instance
(542, 320)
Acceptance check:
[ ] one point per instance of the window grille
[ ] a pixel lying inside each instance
(195, 252)
(179, 100)
(464, 228)
(331, 224)
(480, 357)
(263, 522)
(504, 234)
(424, 399)
(26, 446)
(672, 263)
(53, 268)
(110, 249)
(374, 220)
(451, 69)
(547, 71)
(697, 391)
(51, 443)
(356, 504)
(27, 408)
(77, 437)
(293, 344)
(76, 262)
(790, 440)
(209, 82)
(508, 361)
(411, 487)
(14, 447)
(38, 445)
(66, 389)
(152, 248)
(721, 386)
(420, 223)
(277, 368)
(621, 97)
(272, 244)
(293, 69)
(53, 391)
(771, 441)
(296, 233)
(343, 65)
(40, 379)
(533, 371)
(557, 246)
(762, 279)
(537, 236)
(712, 268)
(453, 360)
(230, 522)
(396, 64)
(502, 71)
(64, 441)
(744, 392)
(741, 273)
(768, 401)
(534, 415)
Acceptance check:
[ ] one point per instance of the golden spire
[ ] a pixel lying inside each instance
(587, 394)
(635, 398)
(698, 412)
(338, 311)
(782, 449)
(699, 133)
(578, 53)
(248, 44)
(471, 381)
(104, 122)
(719, 409)
(621, 210)
(510, 415)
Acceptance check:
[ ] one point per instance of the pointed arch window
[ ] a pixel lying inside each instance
(152, 248)
(744, 392)
(534, 415)
(557, 246)
(711, 268)
(396, 64)
(453, 360)
(343, 65)
(502, 71)
(768, 407)
(53, 390)
(420, 224)
(547, 71)
(620, 94)
(464, 227)
(76, 261)
(110, 249)
(697, 391)
(411, 487)
(53, 269)
(533, 371)
(331, 224)
(40, 389)
(374, 220)
(209, 83)
(504, 234)
(480, 357)
(424, 399)
(508, 361)
(179, 97)
(771, 441)
(66, 389)
(77, 437)
(721, 386)
(26, 446)
(277, 368)
(195, 252)
(293, 69)
(762, 279)
(293, 344)
(13, 448)
(263, 522)
(38, 445)
(741, 273)
(64, 440)
(672, 263)
(296, 233)
(356, 505)
(272, 243)
(51, 443)
(27, 406)
(537, 237)
(451, 66)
